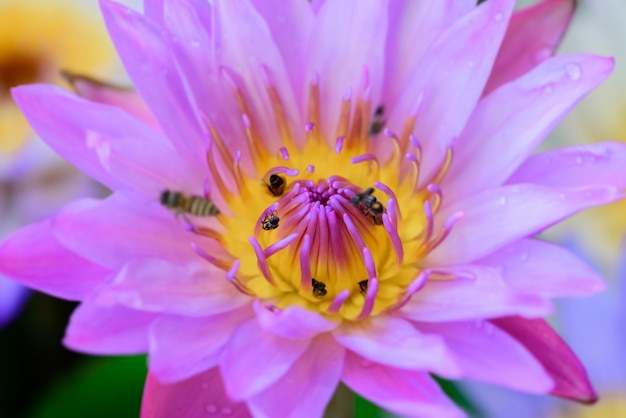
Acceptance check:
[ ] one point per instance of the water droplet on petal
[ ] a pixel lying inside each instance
(562, 196)
(503, 200)
(573, 71)
(195, 44)
(524, 257)
(548, 89)
(579, 160)
(498, 17)
(226, 411)
(542, 55)
(211, 409)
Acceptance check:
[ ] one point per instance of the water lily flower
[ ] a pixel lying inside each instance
(325, 192)
(38, 40)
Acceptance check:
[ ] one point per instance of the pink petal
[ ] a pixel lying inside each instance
(499, 216)
(105, 142)
(483, 293)
(413, 27)
(147, 57)
(553, 353)
(201, 395)
(541, 268)
(466, 51)
(406, 392)
(395, 342)
(305, 390)
(583, 165)
(12, 298)
(249, 50)
(509, 124)
(194, 289)
(123, 233)
(349, 36)
(484, 352)
(181, 347)
(98, 327)
(532, 36)
(108, 94)
(254, 359)
(36, 259)
(292, 322)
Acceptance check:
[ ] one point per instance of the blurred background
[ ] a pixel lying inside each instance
(40, 378)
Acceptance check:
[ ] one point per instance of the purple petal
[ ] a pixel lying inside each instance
(194, 289)
(404, 392)
(305, 390)
(200, 395)
(181, 347)
(254, 359)
(541, 268)
(508, 125)
(147, 57)
(466, 51)
(12, 297)
(105, 142)
(395, 342)
(485, 295)
(483, 352)
(598, 164)
(497, 217)
(99, 327)
(36, 259)
(292, 322)
(123, 233)
(532, 36)
(553, 353)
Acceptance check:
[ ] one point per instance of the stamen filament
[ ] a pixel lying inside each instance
(370, 298)
(338, 301)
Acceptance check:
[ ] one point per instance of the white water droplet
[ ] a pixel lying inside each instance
(548, 89)
(524, 257)
(471, 64)
(579, 160)
(516, 189)
(573, 71)
(562, 196)
(498, 17)
(503, 200)
(211, 409)
(195, 44)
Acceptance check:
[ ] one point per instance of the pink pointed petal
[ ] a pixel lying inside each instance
(395, 342)
(497, 217)
(123, 233)
(145, 51)
(201, 395)
(254, 359)
(602, 163)
(483, 351)
(406, 392)
(193, 289)
(540, 268)
(410, 21)
(35, 258)
(99, 327)
(484, 295)
(451, 95)
(291, 24)
(249, 51)
(553, 353)
(305, 390)
(108, 144)
(532, 36)
(181, 347)
(508, 125)
(349, 36)
(292, 322)
(108, 94)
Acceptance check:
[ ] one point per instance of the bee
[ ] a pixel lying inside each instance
(270, 221)
(363, 286)
(378, 123)
(369, 205)
(276, 185)
(319, 288)
(193, 205)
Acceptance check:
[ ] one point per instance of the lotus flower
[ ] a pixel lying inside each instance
(340, 191)
(37, 40)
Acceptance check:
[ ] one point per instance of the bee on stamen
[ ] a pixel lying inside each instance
(363, 286)
(378, 123)
(270, 221)
(188, 204)
(319, 288)
(369, 205)
(276, 185)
